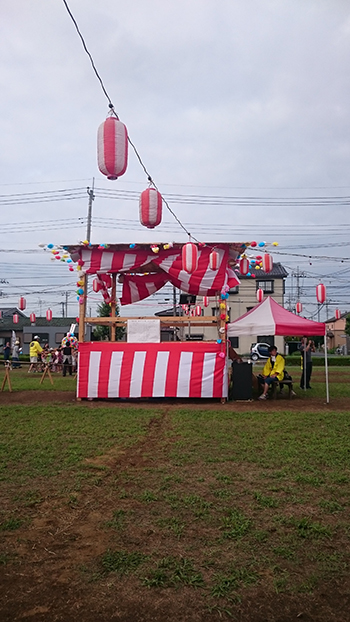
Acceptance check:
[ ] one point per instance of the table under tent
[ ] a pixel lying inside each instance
(143, 366)
(270, 318)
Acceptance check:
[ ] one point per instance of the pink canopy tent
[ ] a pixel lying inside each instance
(269, 318)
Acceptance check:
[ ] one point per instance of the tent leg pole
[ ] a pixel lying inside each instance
(304, 366)
(326, 368)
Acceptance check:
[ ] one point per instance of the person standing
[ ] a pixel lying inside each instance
(7, 352)
(15, 355)
(306, 348)
(34, 350)
(67, 358)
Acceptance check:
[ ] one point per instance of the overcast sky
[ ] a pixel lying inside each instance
(226, 98)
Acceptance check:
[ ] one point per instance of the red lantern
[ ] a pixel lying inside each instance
(49, 315)
(112, 148)
(298, 307)
(337, 314)
(214, 260)
(185, 309)
(96, 285)
(198, 310)
(0, 314)
(22, 303)
(15, 318)
(259, 295)
(321, 293)
(206, 301)
(32, 318)
(189, 257)
(267, 262)
(244, 265)
(150, 208)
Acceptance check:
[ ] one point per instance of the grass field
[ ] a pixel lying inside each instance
(161, 511)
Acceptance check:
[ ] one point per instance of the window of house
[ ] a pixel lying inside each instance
(234, 341)
(234, 290)
(59, 337)
(266, 286)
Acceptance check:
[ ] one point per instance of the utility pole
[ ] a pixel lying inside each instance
(90, 192)
(67, 304)
(62, 311)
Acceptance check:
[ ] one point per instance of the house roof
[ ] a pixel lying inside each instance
(334, 319)
(278, 272)
(6, 323)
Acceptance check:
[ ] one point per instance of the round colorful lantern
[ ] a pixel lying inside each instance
(189, 257)
(112, 148)
(49, 315)
(198, 310)
(15, 318)
(206, 301)
(337, 314)
(267, 262)
(214, 260)
(259, 295)
(298, 307)
(150, 207)
(32, 318)
(22, 303)
(321, 293)
(96, 285)
(244, 266)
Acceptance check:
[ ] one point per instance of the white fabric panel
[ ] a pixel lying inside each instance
(94, 372)
(106, 262)
(160, 374)
(184, 377)
(137, 374)
(208, 374)
(258, 322)
(143, 331)
(114, 374)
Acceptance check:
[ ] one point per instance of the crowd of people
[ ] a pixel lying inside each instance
(63, 359)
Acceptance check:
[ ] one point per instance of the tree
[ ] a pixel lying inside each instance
(347, 325)
(102, 333)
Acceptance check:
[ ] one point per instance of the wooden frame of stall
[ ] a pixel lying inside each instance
(114, 320)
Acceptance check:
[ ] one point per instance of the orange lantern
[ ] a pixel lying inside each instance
(321, 293)
(259, 295)
(150, 208)
(112, 148)
(189, 257)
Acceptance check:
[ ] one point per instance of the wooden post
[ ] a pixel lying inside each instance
(113, 304)
(82, 310)
(7, 377)
(48, 373)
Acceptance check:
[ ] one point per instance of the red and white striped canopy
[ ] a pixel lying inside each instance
(270, 318)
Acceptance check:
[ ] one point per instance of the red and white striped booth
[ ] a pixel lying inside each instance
(168, 369)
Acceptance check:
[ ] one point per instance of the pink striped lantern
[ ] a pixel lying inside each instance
(259, 295)
(337, 314)
(49, 315)
(267, 262)
(185, 309)
(150, 208)
(22, 303)
(15, 318)
(198, 310)
(206, 301)
(321, 293)
(32, 318)
(189, 257)
(214, 260)
(112, 148)
(96, 285)
(244, 266)
(298, 307)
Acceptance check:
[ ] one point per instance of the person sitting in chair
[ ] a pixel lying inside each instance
(273, 371)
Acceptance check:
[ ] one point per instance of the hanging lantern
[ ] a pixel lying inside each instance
(22, 303)
(0, 314)
(112, 148)
(198, 310)
(32, 318)
(189, 257)
(150, 208)
(267, 262)
(337, 314)
(298, 307)
(206, 301)
(15, 318)
(49, 315)
(214, 260)
(321, 293)
(244, 266)
(96, 285)
(259, 295)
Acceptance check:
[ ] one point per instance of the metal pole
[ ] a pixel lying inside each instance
(326, 367)
(90, 192)
(82, 309)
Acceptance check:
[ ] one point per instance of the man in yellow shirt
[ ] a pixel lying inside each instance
(273, 370)
(34, 350)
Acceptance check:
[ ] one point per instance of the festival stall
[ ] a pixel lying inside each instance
(269, 318)
(143, 366)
